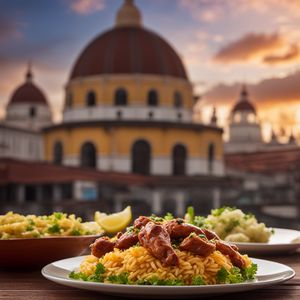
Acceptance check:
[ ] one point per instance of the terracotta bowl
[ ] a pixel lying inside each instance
(34, 253)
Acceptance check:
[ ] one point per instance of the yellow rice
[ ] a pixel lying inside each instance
(140, 265)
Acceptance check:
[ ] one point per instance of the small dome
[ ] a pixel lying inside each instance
(28, 92)
(243, 103)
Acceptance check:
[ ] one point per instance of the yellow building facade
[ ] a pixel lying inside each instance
(129, 108)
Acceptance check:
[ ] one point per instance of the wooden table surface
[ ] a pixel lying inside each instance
(32, 285)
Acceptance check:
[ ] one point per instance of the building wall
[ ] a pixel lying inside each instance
(114, 144)
(21, 144)
(137, 87)
(18, 115)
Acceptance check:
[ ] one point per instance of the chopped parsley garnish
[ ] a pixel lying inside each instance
(231, 225)
(78, 276)
(156, 281)
(249, 273)
(76, 232)
(190, 215)
(168, 216)
(132, 229)
(198, 280)
(29, 228)
(248, 216)
(96, 277)
(55, 228)
(119, 279)
(58, 215)
(156, 218)
(192, 234)
(236, 275)
(218, 211)
(199, 221)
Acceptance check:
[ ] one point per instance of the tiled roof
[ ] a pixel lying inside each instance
(267, 162)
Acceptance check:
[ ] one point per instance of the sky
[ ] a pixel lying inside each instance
(223, 43)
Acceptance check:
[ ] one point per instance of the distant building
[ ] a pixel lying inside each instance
(127, 134)
(244, 127)
(129, 108)
(245, 134)
(26, 113)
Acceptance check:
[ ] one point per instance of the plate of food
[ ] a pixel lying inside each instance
(32, 241)
(167, 258)
(243, 230)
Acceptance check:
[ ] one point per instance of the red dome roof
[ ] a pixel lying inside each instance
(129, 50)
(244, 104)
(28, 92)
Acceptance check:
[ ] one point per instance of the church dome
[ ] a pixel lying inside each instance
(243, 104)
(128, 48)
(28, 93)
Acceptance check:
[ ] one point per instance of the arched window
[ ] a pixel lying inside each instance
(141, 157)
(179, 157)
(91, 99)
(211, 157)
(178, 100)
(121, 97)
(88, 155)
(69, 100)
(58, 153)
(32, 112)
(153, 98)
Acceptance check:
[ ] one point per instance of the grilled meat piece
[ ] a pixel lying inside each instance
(156, 240)
(102, 246)
(235, 257)
(177, 229)
(141, 222)
(126, 240)
(197, 245)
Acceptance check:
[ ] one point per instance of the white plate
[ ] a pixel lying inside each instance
(282, 241)
(269, 273)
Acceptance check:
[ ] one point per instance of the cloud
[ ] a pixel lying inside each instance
(259, 47)
(271, 90)
(8, 29)
(249, 47)
(291, 55)
(85, 7)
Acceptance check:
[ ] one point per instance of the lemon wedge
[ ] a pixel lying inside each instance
(99, 215)
(114, 222)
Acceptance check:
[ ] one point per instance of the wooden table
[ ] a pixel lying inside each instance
(32, 285)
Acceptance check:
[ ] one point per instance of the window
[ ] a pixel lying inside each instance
(141, 157)
(32, 112)
(121, 97)
(177, 100)
(152, 98)
(211, 157)
(91, 99)
(237, 117)
(119, 114)
(88, 156)
(69, 101)
(251, 118)
(179, 157)
(150, 114)
(58, 153)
